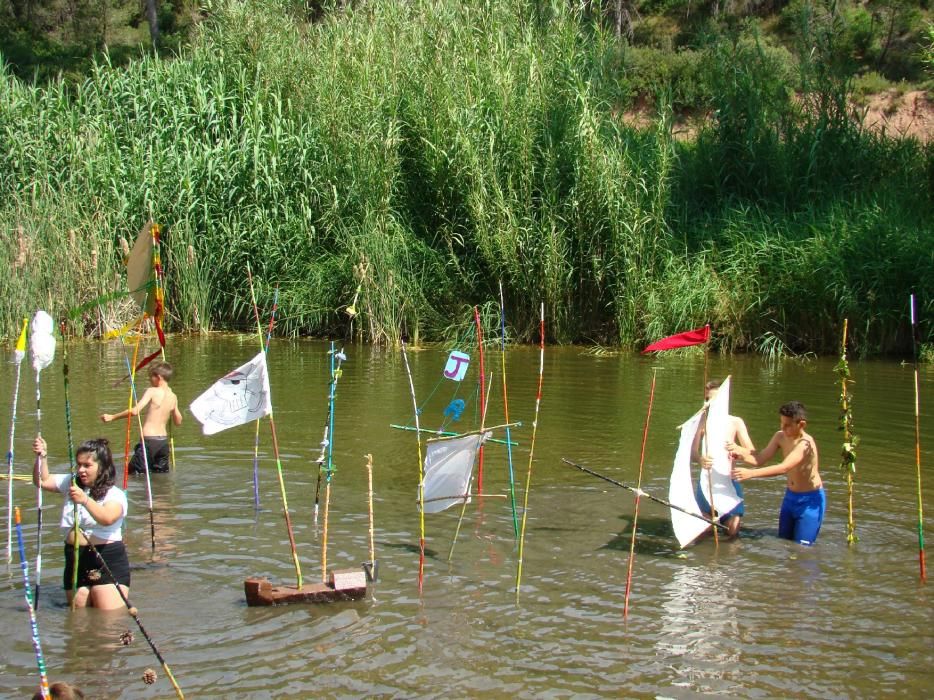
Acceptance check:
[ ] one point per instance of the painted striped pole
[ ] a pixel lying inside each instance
(33, 623)
(914, 345)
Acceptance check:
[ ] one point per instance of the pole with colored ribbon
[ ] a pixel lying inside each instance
(18, 354)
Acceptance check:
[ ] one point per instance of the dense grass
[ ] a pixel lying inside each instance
(422, 152)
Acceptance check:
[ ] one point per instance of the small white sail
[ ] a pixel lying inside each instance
(449, 469)
(717, 433)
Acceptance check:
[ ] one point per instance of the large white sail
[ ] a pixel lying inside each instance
(681, 487)
(448, 470)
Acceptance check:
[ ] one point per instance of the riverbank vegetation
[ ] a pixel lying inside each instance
(423, 152)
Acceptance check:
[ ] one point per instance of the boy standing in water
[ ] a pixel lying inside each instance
(163, 405)
(738, 434)
(805, 501)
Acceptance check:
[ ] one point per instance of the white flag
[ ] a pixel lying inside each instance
(237, 398)
(448, 469)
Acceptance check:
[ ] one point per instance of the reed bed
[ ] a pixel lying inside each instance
(423, 152)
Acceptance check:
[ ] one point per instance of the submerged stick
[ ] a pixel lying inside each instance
(640, 492)
(33, 623)
(914, 346)
(635, 517)
(528, 476)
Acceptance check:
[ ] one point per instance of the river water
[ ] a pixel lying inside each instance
(758, 617)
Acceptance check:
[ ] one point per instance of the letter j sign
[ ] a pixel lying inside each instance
(457, 364)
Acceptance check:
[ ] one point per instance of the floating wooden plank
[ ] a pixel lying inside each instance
(343, 584)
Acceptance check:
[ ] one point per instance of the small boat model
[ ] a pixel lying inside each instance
(342, 584)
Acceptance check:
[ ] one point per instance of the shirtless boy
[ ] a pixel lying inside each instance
(163, 405)
(738, 434)
(805, 501)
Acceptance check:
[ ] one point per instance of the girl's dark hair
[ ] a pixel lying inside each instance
(99, 448)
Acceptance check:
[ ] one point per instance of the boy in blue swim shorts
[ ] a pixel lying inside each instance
(804, 504)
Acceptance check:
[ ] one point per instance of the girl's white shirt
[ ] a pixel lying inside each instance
(106, 533)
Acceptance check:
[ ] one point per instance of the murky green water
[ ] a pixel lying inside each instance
(759, 617)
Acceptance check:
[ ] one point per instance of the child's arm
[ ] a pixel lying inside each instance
(40, 475)
(742, 435)
(103, 513)
(752, 456)
(176, 414)
(792, 460)
(140, 405)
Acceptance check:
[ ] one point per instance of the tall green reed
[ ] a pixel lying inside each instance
(442, 148)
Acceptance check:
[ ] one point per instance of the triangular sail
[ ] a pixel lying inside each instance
(718, 432)
(448, 471)
(681, 488)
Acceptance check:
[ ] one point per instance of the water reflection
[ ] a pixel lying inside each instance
(698, 625)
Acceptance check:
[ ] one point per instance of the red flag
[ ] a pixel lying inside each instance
(698, 336)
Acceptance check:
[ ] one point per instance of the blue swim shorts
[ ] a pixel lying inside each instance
(801, 515)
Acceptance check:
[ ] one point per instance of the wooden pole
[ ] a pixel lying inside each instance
(635, 517)
(421, 475)
(369, 501)
(272, 323)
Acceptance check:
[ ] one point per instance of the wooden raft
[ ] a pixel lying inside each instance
(343, 584)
